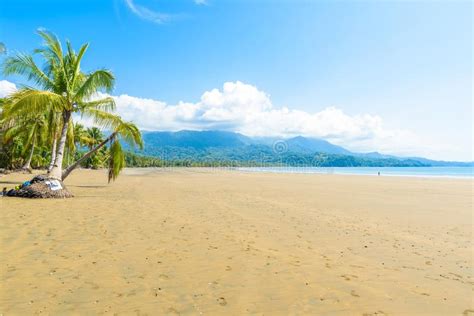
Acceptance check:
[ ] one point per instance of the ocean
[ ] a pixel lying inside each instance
(440, 172)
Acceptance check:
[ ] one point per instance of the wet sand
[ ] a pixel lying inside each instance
(212, 242)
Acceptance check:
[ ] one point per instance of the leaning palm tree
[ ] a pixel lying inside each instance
(92, 137)
(65, 89)
(122, 131)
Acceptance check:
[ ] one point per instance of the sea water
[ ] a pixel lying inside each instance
(445, 172)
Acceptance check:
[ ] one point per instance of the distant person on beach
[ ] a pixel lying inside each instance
(378, 173)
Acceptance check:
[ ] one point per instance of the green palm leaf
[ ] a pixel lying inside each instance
(30, 101)
(103, 119)
(105, 104)
(22, 64)
(99, 79)
(130, 133)
(116, 160)
(52, 46)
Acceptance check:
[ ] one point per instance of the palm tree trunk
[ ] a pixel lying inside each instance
(27, 165)
(56, 171)
(53, 154)
(87, 155)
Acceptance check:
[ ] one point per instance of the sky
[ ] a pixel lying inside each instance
(387, 76)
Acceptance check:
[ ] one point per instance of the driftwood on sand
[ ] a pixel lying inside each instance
(42, 187)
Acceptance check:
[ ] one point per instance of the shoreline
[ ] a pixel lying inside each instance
(269, 170)
(470, 178)
(294, 170)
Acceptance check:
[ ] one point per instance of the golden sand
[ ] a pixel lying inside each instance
(230, 243)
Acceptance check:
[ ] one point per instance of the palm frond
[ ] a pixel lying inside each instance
(77, 76)
(12, 132)
(116, 160)
(103, 119)
(53, 48)
(31, 101)
(105, 104)
(22, 64)
(130, 133)
(95, 81)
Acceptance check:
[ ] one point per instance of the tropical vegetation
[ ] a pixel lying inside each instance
(39, 124)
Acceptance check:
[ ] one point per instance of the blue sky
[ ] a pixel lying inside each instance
(389, 76)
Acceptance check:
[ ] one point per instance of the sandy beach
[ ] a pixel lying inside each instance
(213, 242)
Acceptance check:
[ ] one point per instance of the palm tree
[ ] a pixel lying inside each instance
(3, 48)
(65, 89)
(54, 124)
(126, 132)
(79, 134)
(93, 136)
(31, 130)
(41, 157)
(3, 128)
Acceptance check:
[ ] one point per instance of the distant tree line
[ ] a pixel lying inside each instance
(254, 156)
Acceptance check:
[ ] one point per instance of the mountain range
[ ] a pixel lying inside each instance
(223, 146)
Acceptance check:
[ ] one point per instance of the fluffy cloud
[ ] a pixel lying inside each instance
(6, 87)
(243, 108)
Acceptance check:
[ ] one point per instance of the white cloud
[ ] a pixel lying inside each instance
(243, 108)
(147, 14)
(6, 87)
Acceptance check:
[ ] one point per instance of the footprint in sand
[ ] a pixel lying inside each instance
(456, 275)
(93, 285)
(222, 301)
(349, 277)
(173, 311)
(422, 293)
(163, 277)
(377, 313)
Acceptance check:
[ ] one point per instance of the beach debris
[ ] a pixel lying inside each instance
(41, 186)
(54, 185)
